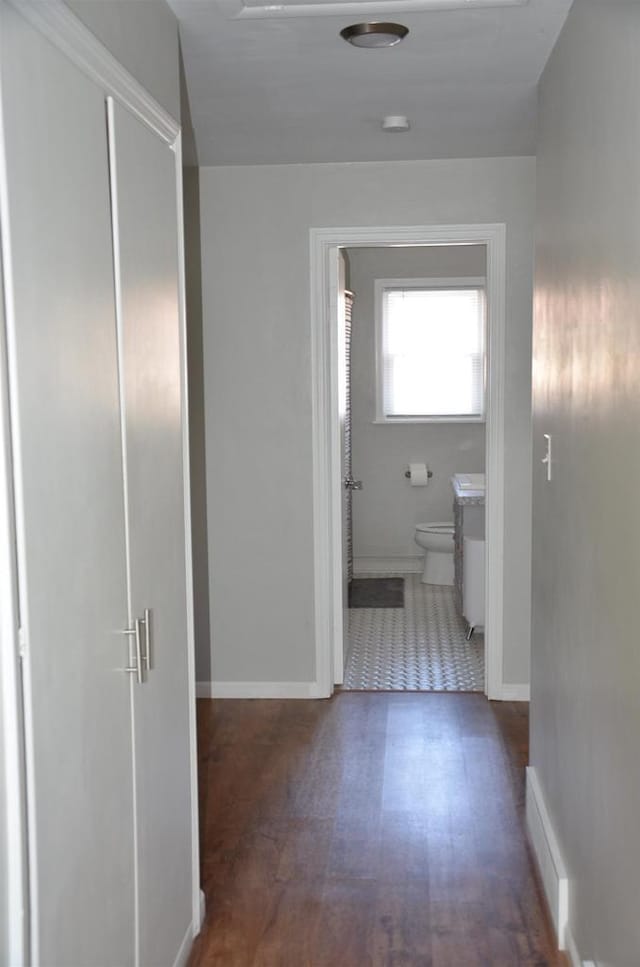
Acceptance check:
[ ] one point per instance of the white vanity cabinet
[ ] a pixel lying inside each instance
(97, 401)
(469, 522)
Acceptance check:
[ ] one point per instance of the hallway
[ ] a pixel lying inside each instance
(369, 830)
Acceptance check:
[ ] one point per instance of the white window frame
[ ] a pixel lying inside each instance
(438, 283)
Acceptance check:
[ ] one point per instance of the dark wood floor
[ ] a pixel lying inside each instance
(369, 830)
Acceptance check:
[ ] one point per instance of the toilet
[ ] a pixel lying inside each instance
(437, 541)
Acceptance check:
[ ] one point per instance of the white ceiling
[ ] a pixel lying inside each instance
(290, 90)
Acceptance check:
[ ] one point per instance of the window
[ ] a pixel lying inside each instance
(430, 350)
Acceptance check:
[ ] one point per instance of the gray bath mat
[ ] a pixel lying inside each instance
(376, 593)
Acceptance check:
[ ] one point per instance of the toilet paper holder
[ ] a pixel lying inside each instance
(407, 474)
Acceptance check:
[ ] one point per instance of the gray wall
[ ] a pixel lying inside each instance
(388, 508)
(193, 279)
(143, 36)
(255, 248)
(586, 660)
(189, 147)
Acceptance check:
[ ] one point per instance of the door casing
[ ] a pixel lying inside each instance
(325, 244)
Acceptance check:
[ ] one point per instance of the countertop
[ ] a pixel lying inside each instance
(465, 495)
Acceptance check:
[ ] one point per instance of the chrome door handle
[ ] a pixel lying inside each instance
(135, 669)
(138, 641)
(147, 639)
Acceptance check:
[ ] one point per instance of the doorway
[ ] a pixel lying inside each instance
(327, 370)
(414, 421)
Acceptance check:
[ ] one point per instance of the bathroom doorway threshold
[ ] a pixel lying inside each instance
(325, 245)
(420, 647)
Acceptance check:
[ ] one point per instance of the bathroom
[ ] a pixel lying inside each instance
(404, 633)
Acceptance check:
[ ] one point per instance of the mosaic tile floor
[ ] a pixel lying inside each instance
(420, 647)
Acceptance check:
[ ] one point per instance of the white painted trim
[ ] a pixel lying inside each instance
(240, 10)
(380, 285)
(327, 493)
(15, 683)
(117, 289)
(572, 951)
(327, 511)
(549, 860)
(337, 320)
(403, 420)
(187, 943)
(258, 690)
(495, 460)
(196, 903)
(388, 565)
(13, 837)
(435, 282)
(514, 693)
(66, 31)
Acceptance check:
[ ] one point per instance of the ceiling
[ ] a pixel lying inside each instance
(274, 89)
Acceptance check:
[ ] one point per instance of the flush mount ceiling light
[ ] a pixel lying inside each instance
(374, 34)
(395, 123)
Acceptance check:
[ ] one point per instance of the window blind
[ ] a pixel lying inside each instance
(433, 352)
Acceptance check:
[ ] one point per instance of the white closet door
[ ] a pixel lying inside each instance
(65, 411)
(146, 228)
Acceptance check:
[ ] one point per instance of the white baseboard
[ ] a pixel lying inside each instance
(508, 693)
(572, 950)
(258, 690)
(514, 693)
(552, 870)
(185, 947)
(388, 565)
(574, 955)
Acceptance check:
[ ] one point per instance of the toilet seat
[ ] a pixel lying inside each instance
(446, 528)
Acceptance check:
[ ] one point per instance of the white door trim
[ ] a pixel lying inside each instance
(327, 495)
(13, 837)
(196, 897)
(57, 22)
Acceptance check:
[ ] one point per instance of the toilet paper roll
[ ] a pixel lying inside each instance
(418, 474)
